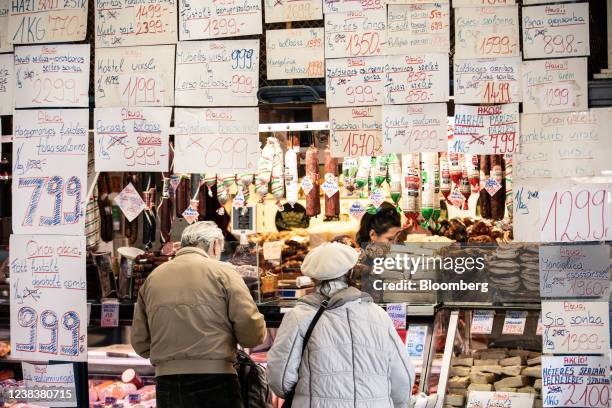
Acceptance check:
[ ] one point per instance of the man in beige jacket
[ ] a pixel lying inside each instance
(191, 313)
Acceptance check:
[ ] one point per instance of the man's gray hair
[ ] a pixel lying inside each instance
(201, 234)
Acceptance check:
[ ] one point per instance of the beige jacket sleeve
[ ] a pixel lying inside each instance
(249, 325)
(141, 337)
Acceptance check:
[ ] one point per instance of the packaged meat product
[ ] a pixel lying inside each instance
(363, 172)
(332, 203)
(291, 177)
(445, 180)
(264, 169)
(394, 178)
(130, 376)
(313, 202)
(484, 199)
(277, 180)
(222, 194)
(464, 186)
(455, 167)
(410, 187)
(209, 181)
(117, 390)
(380, 170)
(201, 197)
(508, 179)
(436, 176)
(350, 165)
(473, 171)
(498, 200)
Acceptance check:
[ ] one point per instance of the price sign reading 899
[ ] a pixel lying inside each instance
(48, 298)
(49, 171)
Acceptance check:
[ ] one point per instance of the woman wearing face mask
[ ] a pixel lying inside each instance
(353, 355)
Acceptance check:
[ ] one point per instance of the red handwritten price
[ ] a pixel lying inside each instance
(556, 97)
(222, 26)
(139, 90)
(497, 45)
(360, 144)
(497, 92)
(58, 90)
(367, 43)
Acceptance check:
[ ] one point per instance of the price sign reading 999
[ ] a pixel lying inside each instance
(48, 298)
(49, 171)
(356, 132)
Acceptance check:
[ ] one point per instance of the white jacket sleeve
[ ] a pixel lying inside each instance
(284, 357)
(401, 373)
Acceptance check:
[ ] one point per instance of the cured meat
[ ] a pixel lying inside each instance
(277, 180)
(183, 194)
(148, 220)
(313, 202)
(264, 169)
(350, 165)
(484, 200)
(201, 197)
(473, 171)
(291, 177)
(209, 181)
(410, 187)
(436, 177)
(427, 187)
(498, 200)
(106, 208)
(508, 179)
(394, 178)
(380, 170)
(165, 212)
(332, 204)
(445, 180)
(455, 167)
(363, 172)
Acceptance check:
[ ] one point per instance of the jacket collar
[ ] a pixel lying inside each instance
(192, 250)
(338, 299)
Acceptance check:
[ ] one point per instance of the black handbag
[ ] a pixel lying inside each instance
(289, 398)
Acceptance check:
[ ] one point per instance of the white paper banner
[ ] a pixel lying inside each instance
(561, 30)
(416, 78)
(7, 84)
(485, 129)
(58, 377)
(122, 23)
(216, 140)
(480, 399)
(494, 80)
(356, 132)
(135, 76)
(217, 73)
(576, 271)
(355, 81)
(342, 6)
(576, 381)
(6, 44)
(49, 171)
(297, 10)
(558, 85)
(575, 327)
(355, 34)
(32, 22)
(418, 28)
(416, 1)
(486, 32)
(52, 76)
(295, 53)
(415, 128)
(203, 19)
(131, 139)
(482, 3)
(559, 145)
(48, 298)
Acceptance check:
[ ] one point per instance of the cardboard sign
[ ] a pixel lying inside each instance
(416, 78)
(560, 30)
(482, 321)
(514, 323)
(485, 129)
(560, 145)
(576, 214)
(52, 76)
(486, 32)
(48, 298)
(216, 140)
(481, 399)
(294, 54)
(300, 10)
(38, 22)
(49, 171)
(355, 34)
(343, 6)
(135, 76)
(495, 80)
(5, 41)
(203, 19)
(397, 313)
(577, 271)
(355, 132)
(56, 376)
(575, 327)
(217, 73)
(418, 28)
(7, 87)
(483, 3)
(576, 381)
(122, 23)
(414, 128)
(558, 85)
(131, 139)
(355, 81)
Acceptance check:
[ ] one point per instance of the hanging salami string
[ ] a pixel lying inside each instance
(464, 185)
(484, 199)
(291, 176)
(350, 165)
(149, 197)
(264, 169)
(473, 171)
(427, 188)
(455, 167)
(277, 180)
(313, 201)
(498, 200)
(508, 178)
(201, 196)
(395, 179)
(332, 192)
(363, 173)
(224, 182)
(380, 170)
(436, 199)
(210, 180)
(445, 180)
(183, 194)
(410, 187)
(165, 211)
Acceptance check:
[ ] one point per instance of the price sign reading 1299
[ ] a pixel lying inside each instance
(356, 132)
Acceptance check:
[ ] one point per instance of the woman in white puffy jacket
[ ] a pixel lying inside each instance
(354, 357)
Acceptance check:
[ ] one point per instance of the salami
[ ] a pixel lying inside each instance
(224, 182)
(464, 185)
(508, 179)
(149, 196)
(350, 165)
(498, 200)
(445, 180)
(394, 178)
(291, 177)
(165, 212)
(264, 169)
(277, 180)
(201, 197)
(410, 187)
(427, 188)
(380, 170)
(363, 172)
(332, 203)
(455, 167)
(209, 181)
(473, 171)
(183, 194)
(313, 202)
(436, 176)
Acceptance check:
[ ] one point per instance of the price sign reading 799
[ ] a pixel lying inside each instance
(356, 132)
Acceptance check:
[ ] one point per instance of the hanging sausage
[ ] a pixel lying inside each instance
(394, 178)
(264, 169)
(445, 180)
(427, 188)
(291, 176)
(508, 179)
(183, 194)
(149, 196)
(165, 212)
(498, 200)
(277, 177)
(332, 203)
(410, 187)
(363, 173)
(313, 202)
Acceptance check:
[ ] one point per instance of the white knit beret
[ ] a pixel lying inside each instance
(329, 261)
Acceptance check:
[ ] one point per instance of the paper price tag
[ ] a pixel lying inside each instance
(482, 321)
(238, 200)
(272, 250)
(330, 186)
(191, 213)
(397, 313)
(514, 322)
(357, 210)
(109, 314)
(377, 197)
(456, 198)
(130, 202)
(307, 184)
(492, 186)
(415, 340)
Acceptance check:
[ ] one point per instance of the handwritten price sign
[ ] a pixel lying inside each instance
(558, 85)
(39, 22)
(121, 23)
(355, 34)
(5, 44)
(343, 6)
(296, 10)
(48, 298)
(132, 139)
(355, 81)
(419, 28)
(486, 32)
(484, 3)
(356, 132)
(560, 30)
(494, 80)
(295, 53)
(416, 78)
(7, 89)
(415, 128)
(216, 140)
(52, 76)
(49, 171)
(203, 19)
(217, 73)
(479, 399)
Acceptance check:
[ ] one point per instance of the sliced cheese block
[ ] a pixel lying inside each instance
(517, 381)
(482, 378)
(534, 371)
(485, 362)
(480, 387)
(512, 361)
(534, 361)
(459, 371)
(512, 371)
(458, 382)
(495, 369)
(463, 361)
(455, 400)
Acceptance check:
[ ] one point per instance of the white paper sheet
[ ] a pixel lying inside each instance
(486, 32)
(418, 28)
(495, 80)
(208, 19)
(296, 53)
(415, 128)
(416, 78)
(355, 34)
(355, 132)
(297, 10)
(33, 22)
(6, 44)
(355, 81)
(7, 84)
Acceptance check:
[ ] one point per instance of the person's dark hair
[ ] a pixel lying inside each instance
(385, 218)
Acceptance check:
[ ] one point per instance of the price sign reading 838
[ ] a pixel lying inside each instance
(49, 171)
(356, 132)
